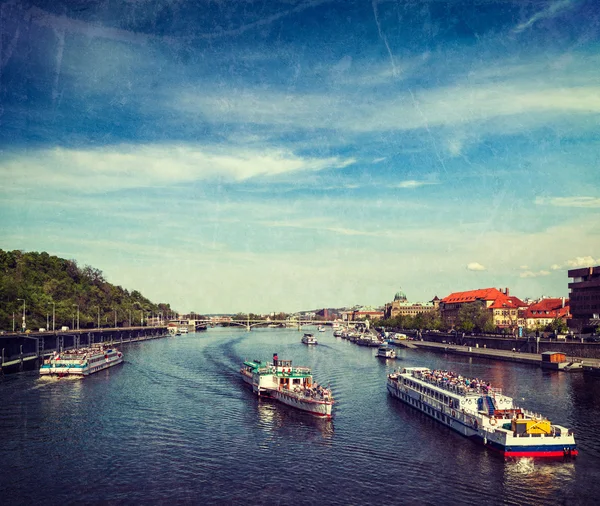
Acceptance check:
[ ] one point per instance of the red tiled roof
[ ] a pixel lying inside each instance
(548, 308)
(473, 295)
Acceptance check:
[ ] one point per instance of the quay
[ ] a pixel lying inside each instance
(522, 357)
(19, 352)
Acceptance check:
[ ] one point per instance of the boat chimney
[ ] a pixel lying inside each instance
(563, 302)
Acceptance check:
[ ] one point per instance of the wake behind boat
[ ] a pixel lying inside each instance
(81, 362)
(474, 409)
(293, 386)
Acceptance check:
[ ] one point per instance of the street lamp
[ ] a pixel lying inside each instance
(115, 317)
(129, 310)
(53, 314)
(77, 315)
(24, 325)
(98, 316)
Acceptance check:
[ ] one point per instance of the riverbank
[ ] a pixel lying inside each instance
(495, 354)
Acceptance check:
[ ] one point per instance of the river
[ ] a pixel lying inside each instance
(175, 424)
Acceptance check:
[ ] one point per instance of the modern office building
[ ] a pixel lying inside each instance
(585, 298)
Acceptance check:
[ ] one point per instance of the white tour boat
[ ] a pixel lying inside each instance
(309, 339)
(476, 410)
(290, 385)
(386, 352)
(81, 362)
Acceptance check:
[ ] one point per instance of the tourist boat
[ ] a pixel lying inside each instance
(293, 386)
(309, 339)
(81, 362)
(476, 410)
(386, 352)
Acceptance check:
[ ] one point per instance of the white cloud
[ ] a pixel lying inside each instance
(475, 266)
(412, 184)
(531, 274)
(588, 202)
(586, 261)
(128, 166)
(549, 12)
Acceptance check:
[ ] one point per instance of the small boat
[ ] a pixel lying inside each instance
(476, 410)
(293, 386)
(321, 328)
(386, 352)
(309, 339)
(338, 333)
(81, 362)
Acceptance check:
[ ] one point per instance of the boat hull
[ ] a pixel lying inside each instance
(313, 407)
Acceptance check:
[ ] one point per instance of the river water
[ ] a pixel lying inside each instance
(176, 424)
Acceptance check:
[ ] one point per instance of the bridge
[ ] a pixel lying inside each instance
(249, 324)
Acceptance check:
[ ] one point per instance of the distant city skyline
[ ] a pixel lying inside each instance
(276, 156)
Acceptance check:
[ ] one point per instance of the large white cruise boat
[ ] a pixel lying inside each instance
(290, 385)
(81, 362)
(476, 410)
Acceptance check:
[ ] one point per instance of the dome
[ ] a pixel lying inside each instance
(401, 296)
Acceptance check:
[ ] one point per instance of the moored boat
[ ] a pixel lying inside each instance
(309, 339)
(81, 362)
(293, 386)
(476, 410)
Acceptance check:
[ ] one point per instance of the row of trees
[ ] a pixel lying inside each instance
(49, 286)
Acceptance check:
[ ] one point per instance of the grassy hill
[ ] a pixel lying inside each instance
(41, 279)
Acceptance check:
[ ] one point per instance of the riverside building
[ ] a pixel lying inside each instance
(585, 298)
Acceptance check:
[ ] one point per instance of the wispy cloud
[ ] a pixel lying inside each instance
(590, 202)
(475, 266)
(412, 184)
(129, 166)
(586, 261)
(554, 9)
(532, 274)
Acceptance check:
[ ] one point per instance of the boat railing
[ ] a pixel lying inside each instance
(457, 386)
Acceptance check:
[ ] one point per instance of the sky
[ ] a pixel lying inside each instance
(251, 156)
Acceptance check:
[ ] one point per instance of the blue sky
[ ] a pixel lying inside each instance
(230, 156)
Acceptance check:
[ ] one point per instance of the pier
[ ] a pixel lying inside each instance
(19, 352)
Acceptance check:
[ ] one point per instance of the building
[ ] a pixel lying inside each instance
(584, 298)
(401, 307)
(542, 313)
(506, 311)
(364, 313)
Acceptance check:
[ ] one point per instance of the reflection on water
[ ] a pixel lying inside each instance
(274, 417)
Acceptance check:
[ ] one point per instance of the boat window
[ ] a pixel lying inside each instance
(296, 381)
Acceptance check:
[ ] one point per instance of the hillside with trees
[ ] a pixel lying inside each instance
(46, 283)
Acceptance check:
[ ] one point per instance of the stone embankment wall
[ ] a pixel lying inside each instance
(571, 348)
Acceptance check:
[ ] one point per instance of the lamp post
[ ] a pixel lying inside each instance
(98, 316)
(77, 315)
(129, 310)
(47, 319)
(53, 314)
(24, 324)
(115, 317)
(13, 322)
